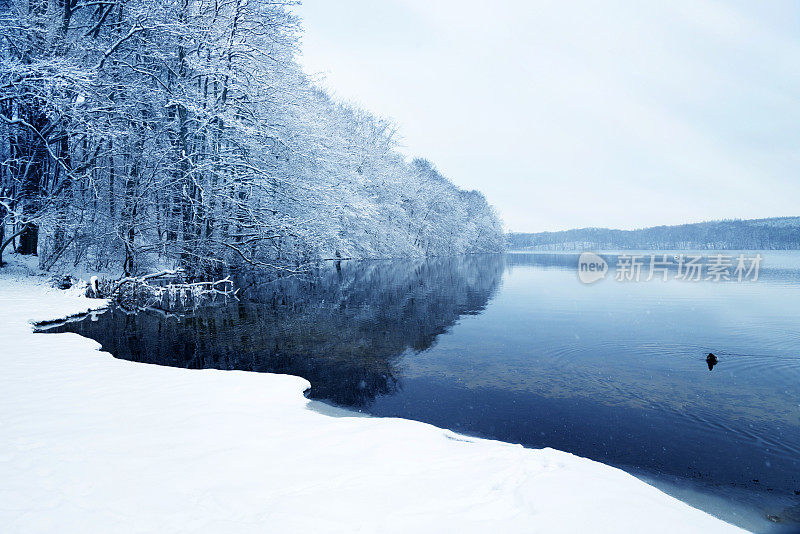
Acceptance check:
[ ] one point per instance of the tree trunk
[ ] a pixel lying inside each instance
(29, 239)
(2, 231)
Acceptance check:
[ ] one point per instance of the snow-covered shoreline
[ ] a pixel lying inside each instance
(93, 443)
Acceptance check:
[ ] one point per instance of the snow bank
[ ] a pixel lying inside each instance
(90, 443)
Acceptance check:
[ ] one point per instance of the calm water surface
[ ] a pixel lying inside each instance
(515, 348)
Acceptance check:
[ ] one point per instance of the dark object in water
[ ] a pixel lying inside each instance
(711, 360)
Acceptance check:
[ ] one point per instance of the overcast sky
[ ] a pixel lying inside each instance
(581, 113)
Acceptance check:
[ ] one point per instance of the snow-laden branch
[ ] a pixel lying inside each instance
(136, 28)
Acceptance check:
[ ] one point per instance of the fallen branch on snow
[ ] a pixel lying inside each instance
(164, 291)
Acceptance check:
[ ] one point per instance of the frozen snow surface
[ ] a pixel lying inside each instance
(89, 443)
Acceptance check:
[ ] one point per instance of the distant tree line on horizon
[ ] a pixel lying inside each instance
(142, 133)
(779, 233)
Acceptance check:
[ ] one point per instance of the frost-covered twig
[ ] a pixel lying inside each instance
(139, 292)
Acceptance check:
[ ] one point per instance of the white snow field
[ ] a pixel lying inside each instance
(89, 443)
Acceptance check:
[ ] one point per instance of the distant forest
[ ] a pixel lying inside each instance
(778, 233)
(140, 134)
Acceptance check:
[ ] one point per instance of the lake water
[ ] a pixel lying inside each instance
(516, 348)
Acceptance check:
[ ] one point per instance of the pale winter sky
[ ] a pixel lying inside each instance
(581, 113)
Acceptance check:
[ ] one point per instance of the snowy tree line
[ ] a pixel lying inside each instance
(139, 133)
(777, 233)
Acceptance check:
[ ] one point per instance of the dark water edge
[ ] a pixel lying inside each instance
(496, 347)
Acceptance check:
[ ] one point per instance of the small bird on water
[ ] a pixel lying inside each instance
(711, 360)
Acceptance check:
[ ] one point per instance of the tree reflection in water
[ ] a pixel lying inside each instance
(344, 329)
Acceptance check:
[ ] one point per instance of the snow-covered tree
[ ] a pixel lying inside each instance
(183, 132)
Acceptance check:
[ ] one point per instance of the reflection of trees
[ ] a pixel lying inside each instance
(770, 269)
(343, 330)
(569, 261)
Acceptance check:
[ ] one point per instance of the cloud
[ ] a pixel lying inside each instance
(584, 113)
